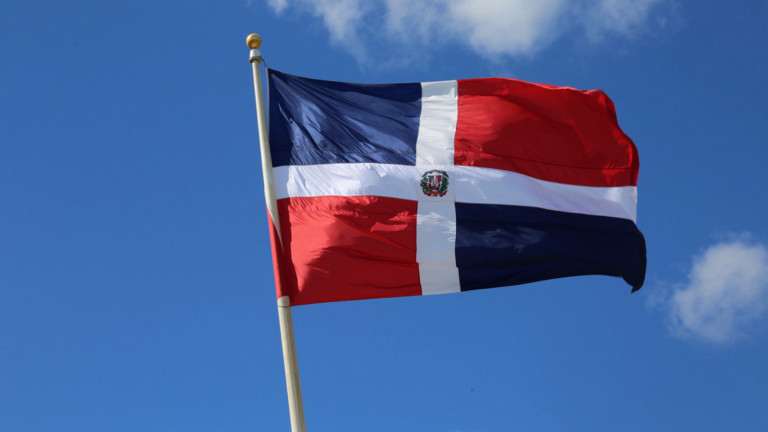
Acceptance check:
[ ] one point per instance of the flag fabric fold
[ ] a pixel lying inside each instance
(388, 190)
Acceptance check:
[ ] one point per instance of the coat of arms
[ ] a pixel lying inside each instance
(434, 183)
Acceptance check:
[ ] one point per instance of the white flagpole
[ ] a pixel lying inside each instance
(295, 405)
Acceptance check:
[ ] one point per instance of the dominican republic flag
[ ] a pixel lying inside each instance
(388, 190)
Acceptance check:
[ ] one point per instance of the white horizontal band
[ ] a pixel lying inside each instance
(471, 185)
(364, 179)
(492, 186)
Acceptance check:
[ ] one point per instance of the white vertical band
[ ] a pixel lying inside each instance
(436, 217)
(436, 247)
(437, 124)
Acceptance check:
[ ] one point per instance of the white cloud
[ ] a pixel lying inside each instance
(506, 26)
(278, 5)
(341, 17)
(617, 16)
(418, 22)
(727, 292)
(490, 27)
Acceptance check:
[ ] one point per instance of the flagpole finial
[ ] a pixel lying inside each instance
(253, 40)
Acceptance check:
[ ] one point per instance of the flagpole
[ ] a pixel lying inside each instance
(295, 404)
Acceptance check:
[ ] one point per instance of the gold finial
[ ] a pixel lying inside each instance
(253, 40)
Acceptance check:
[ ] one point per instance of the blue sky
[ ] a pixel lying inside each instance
(136, 288)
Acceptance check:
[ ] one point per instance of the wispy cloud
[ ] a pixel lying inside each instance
(623, 17)
(500, 27)
(278, 5)
(492, 28)
(726, 293)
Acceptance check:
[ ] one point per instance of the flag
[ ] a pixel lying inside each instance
(388, 190)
